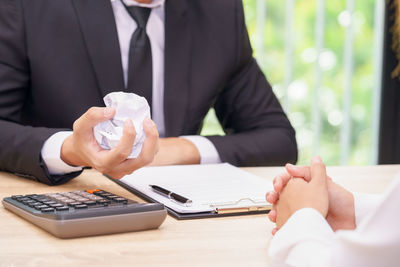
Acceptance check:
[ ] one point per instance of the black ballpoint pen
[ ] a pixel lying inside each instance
(171, 195)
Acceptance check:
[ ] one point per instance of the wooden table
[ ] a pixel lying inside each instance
(231, 241)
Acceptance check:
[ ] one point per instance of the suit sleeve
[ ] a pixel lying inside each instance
(258, 131)
(20, 145)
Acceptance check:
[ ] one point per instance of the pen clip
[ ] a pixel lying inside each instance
(186, 204)
(171, 195)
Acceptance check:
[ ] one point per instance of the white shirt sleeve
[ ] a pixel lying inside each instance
(304, 240)
(364, 204)
(307, 240)
(51, 151)
(207, 150)
(376, 241)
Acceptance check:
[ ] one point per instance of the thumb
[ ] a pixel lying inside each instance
(92, 117)
(318, 171)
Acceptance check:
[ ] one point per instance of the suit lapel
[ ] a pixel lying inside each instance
(177, 63)
(99, 30)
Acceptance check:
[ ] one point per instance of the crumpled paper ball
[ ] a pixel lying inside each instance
(127, 106)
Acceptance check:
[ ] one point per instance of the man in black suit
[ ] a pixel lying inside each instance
(58, 59)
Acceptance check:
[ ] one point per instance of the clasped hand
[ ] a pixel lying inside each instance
(311, 188)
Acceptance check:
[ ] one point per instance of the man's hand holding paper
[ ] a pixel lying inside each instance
(128, 106)
(119, 150)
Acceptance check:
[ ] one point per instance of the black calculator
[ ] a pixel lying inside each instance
(86, 213)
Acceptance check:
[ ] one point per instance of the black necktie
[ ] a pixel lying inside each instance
(140, 60)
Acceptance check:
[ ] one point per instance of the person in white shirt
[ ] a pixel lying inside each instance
(319, 223)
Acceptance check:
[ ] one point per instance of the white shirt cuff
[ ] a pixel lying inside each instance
(207, 150)
(364, 204)
(51, 154)
(304, 240)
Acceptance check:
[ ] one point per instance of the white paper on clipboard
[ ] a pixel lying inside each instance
(209, 186)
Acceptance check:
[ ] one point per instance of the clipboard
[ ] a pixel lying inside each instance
(234, 202)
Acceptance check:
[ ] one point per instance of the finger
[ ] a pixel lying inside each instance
(299, 171)
(272, 197)
(280, 181)
(122, 151)
(149, 149)
(272, 215)
(318, 171)
(150, 146)
(92, 117)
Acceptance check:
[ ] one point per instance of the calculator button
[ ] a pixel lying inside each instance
(73, 204)
(58, 197)
(62, 208)
(56, 205)
(81, 206)
(49, 202)
(121, 199)
(33, 204)
(43, 199)
(47, 210)
(41, 206)
(104, 201)
(90, 203)
(22, 199)
(17, 197)
(26, 202)
(92, 191)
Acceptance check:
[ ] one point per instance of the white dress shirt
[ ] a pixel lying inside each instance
(156, 31)
(307, 239)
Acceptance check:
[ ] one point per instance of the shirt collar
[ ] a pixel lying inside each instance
(155, 3)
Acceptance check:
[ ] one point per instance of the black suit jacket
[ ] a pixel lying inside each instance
(60, 57)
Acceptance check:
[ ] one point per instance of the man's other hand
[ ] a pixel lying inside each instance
(82, 149)
(176, 151)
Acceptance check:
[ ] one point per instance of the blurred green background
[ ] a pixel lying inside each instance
(271, 58)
